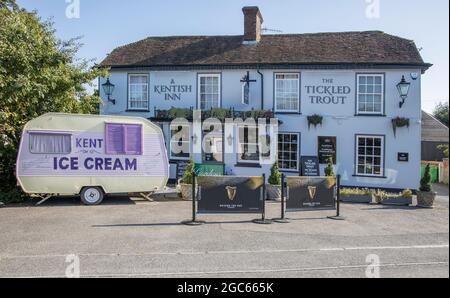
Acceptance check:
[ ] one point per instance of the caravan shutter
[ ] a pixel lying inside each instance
(123, 139)
(114, 139)
(133, 139)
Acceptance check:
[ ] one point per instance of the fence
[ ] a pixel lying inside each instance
(246, 195)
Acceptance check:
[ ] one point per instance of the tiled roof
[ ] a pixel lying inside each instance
(371, 47)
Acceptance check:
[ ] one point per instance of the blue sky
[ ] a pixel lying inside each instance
(106, 24)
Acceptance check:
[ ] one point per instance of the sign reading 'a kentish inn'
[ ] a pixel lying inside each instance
(173, 91)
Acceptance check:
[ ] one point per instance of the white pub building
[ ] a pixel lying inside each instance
(354, 97)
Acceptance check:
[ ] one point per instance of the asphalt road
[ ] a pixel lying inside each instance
(125, 238)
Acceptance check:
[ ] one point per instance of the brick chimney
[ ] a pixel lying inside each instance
(252, 24)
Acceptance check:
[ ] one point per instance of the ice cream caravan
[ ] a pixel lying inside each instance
(91, 156)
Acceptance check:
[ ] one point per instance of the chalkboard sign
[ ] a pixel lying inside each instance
(230, 194)
(311, 193)
(181, 168)
(310, 166)
(327, 149)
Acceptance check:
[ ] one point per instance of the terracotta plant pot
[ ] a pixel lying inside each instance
(273, 192)
(186, 191)
(425, 199)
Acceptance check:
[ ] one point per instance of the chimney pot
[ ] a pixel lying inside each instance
(252, 24)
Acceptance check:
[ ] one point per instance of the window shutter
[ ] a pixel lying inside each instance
(115, 139)
(133, 143)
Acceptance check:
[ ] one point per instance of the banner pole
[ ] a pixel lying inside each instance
(282, 219)
(263, 220)
(264, 198)
(338, 196)
(193, 221)
(338, 202)
(193, 197)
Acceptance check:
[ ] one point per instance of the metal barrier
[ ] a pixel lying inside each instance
(228, 195)
(310, 194)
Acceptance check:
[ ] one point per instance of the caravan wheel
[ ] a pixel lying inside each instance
(92, 196)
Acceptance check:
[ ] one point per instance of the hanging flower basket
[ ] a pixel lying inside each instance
(400, 122)
(314, 120)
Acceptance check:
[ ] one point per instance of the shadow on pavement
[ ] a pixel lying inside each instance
(169, 224)
(71, 201)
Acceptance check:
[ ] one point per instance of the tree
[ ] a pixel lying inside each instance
(188, 177)
(425, 182)
(275, 175)
(441, 113)
(329, 170)
(444, 149)
(38, 74)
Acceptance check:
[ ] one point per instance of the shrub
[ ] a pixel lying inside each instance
(275, 175)
(407, 194)
(356, 192)
(188, 177)
(329, 171)
(425, 182)
(13, 195)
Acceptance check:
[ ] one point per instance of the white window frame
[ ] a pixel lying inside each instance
(382, 153)
(129, 91)
(189, 141)
(199, 94)
(298, 151)
(276, 92)
(358, 93)
(238, 143)
(45, 133)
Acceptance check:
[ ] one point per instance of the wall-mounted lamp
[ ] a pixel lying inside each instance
(403, 90)
(108, 88)
(230, 140)
(195, 138)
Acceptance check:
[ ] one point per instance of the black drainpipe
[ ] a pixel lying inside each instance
(262, 89)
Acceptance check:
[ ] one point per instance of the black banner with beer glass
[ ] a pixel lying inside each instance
(311, 193)
(230, 194)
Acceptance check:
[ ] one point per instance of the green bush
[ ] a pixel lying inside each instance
(188, 177)
(425, 182)
(356, 192)
(407, 194)
(329, 171)
(275, 175)
(175, 113)
(13, 195)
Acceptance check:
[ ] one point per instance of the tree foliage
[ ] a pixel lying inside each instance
(425, 182)
(39, 73)
(275, 175)
(329, 170)
(441, 113)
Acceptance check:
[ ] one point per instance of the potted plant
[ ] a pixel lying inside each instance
(399, 122)
(314, 120)
(274, 186)
(402, 199)
(329, 170)
(379, 196)
(185, 183)
(356, 195)
(426, 196)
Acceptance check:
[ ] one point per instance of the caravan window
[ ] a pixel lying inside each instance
(124, 139)
(49, 143)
